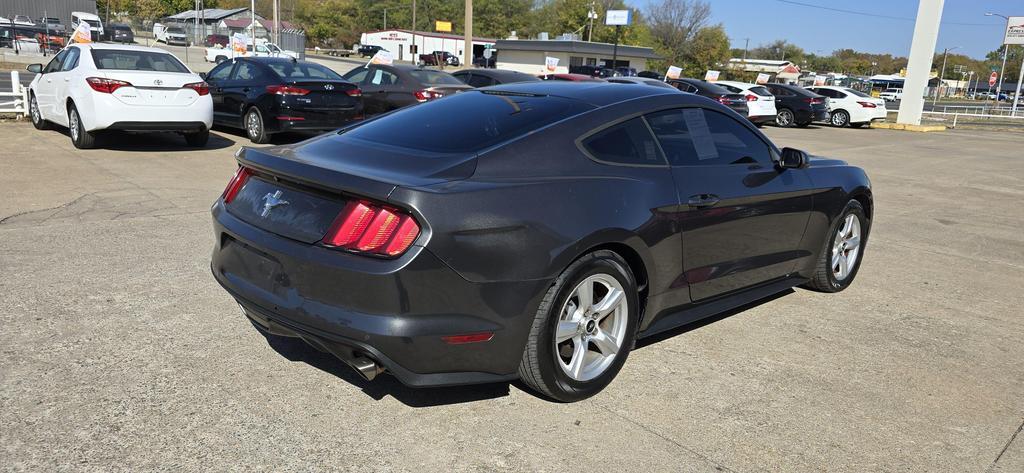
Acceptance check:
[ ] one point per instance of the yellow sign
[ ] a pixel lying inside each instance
(443, 26)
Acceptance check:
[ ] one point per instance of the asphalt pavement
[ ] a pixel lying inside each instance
(120, 352)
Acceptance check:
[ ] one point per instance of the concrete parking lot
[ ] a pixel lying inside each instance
(120, 352)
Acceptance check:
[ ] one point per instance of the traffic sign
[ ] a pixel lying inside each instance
(992, 79)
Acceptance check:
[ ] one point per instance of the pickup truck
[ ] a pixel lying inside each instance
(219, 54)
(891, 95)
(433, 58)
(170, 34)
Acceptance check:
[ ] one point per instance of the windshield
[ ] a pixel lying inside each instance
(303, 70)
(125, 60)
(474, 121)
(176, 30)
(92, 23)
(857, 93)
(432, 77)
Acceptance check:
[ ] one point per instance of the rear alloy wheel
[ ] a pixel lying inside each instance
(37, 116)
(840, 258)
(197, 139)
(784, 118)
(79, 137)
(254, 126)
(583, 330)
(840, 118)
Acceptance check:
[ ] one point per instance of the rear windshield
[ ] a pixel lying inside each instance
(763, 91)
(303, 70)
(713, 88)
(431, 77)
(125, 60)
(473, 121)
(857, 93)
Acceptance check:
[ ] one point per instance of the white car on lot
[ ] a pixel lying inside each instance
(891, 95)
(93, 87)
(852, 107)
(263, 49)
(760, 101)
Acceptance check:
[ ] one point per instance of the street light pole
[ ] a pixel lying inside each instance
(942, 75)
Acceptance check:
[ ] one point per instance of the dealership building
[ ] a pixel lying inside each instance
(406, 45)
(529, 56)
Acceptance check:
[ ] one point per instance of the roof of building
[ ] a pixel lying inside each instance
(581, 47)
(209, 14)
(266, 24)
(434, 35)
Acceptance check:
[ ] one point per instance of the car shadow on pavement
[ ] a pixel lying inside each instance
(155, 141)
(284, 138)
(644, 342)
(294, 349)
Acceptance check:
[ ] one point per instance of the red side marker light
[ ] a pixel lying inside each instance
(469, 338)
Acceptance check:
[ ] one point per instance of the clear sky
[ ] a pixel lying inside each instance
(821, 31)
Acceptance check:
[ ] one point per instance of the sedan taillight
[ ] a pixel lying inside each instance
(751, 98)
(424, 95)
(106, 86)
(236, 183)
(354, 92)
(201, 88)
(867, 104)
(368, 227)
(813, 100)
(286, 90)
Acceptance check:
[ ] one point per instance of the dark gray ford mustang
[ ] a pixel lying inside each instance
(531, 231)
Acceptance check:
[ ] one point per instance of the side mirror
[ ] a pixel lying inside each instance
(202, 75)
(35, 68)
(793, 158)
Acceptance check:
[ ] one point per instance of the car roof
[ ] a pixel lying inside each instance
(742, 85)
(121, 47)
(499, 73)
(595, 93)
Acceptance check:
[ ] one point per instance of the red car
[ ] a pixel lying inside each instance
(216, 39)
(571, 77)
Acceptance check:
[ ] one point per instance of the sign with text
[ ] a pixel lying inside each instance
(711, 76)
(239, 42)
(673, 72)
(762, 78)
(618, 17)
(443, 26)
(1014, 30)
(382, 57)
(82, 34)
(550, 64)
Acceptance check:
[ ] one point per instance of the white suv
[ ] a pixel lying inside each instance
(93, 87)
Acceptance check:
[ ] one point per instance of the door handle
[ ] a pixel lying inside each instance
(702, 200)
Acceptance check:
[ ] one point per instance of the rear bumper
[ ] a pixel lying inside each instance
(102, 111)
(185, 127)
(760, 119)
(297, 119)
(393, 311)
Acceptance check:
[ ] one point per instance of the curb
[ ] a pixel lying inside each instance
(905, 127)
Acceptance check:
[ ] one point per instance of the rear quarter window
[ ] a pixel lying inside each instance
(431, 77)
(629, 143)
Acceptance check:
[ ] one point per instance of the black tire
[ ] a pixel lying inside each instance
(839, 118)
(79, 137)
(539, 366)
(37, 117)
(824, 278)
(257, 133)
(198, 139)
(784, 118)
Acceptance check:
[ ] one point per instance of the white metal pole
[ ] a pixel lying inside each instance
(1002, 70)
(1016, 95)
(252, 25)
(922, 50)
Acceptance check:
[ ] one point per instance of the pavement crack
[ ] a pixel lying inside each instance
(718, 466)
(58, 207)
(1007, 446)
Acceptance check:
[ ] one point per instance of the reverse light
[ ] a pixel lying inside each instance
(286, 90)
(867, 104)
(368, 227)
(354, 92)
(106, 86)
(201, 88)
(236, 183)
(424, 95)
(469, 338)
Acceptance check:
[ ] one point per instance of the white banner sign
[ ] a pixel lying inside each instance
(1014, 30)
(619, 17)
(711, 76)
(819, 80)
(82, 34)
(673, 72)
(382, 57)
(762, 78)
(550, 64)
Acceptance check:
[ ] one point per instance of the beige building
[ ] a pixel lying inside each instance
(528, 56)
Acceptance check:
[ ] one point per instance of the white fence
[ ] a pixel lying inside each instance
(15, 101)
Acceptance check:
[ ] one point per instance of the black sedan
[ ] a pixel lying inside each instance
(489, 77)
(797, 105)
(264, 96)
(386, 88)
(737, 102)
(531, 230)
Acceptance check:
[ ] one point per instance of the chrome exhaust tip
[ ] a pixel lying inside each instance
(366, 367)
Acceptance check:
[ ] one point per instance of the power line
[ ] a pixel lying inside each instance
(874, 15)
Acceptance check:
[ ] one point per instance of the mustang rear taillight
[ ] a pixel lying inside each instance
(201, 88)
(236, 183)
(368, 227)
(106, 86)
(354, 92)
(867, 104)
(286, 90)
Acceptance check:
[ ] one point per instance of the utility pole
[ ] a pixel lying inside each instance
(942, 75)
(252, 25)
(592, 14)
(385, 19)
(277, 23)
(415, 50)
(468, 51)
(919, 63)
(746, 46)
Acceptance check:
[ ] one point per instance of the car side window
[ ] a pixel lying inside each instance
(356, 75)
(629, 143)
(477, 80)
(71, 60)
(54, 64)
(781, 92)
(221, 72)
(382, 77)
(247, 71)
(700, 137)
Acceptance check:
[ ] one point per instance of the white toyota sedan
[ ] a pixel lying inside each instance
(94, 87)
(760, 101)
(852, 107)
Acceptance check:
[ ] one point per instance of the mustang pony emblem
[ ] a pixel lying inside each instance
(270, 201)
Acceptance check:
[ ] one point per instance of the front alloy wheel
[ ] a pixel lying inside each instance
(843, 252)
(784, 118)
(583, 330)
(37, 117)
